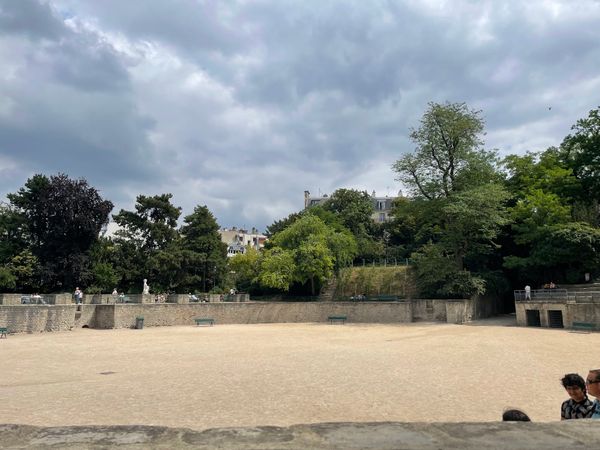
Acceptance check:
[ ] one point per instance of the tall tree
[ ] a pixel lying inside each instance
(148, 243)
(64, 218)
(581, 151)
(458, 207)
(448, 156)
(205, 256)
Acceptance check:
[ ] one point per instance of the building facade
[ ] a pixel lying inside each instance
(239, 239)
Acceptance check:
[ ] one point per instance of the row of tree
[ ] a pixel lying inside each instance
(53, 240)
(471, 223)
(476, 223)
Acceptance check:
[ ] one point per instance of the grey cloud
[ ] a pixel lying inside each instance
(30, 18)
(244, 105)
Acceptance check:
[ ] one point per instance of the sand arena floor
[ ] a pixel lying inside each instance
(283, 374)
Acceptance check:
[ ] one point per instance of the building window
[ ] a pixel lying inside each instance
(380, 205)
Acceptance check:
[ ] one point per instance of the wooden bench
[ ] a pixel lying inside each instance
(3, 332)
(202, 321)
(333, 319)
(583, 326)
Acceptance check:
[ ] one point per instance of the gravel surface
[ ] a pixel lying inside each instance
(284, 374)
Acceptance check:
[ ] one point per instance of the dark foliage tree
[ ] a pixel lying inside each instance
(280, 225)
(205, 256)
(64, 218)
(581, 152)
(148, 244)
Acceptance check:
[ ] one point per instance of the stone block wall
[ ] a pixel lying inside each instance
(165, 314)
(429, 310)
(37, 318)
(10, 299)
(571, 312)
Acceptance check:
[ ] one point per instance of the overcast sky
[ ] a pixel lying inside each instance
(242, 105)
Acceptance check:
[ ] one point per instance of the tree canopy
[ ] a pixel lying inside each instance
(60, 219)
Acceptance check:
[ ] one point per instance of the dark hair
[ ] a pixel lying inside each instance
(597, 373)
(573, 379)
(515, 415)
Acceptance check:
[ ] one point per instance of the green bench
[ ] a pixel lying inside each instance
(583, 326)
(202, 321)
(3, 332)
(333, 319)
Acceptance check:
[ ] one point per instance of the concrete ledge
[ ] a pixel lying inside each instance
(576, 434)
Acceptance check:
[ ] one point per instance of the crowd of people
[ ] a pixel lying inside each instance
(578, 406)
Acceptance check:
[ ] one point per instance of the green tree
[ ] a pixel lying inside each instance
(316, 250)
(277, 269)
(245, 268)
(581, 152)
(148, 243)
(354, 209)
(64, 218)
(205, 256)
(280, 225)
(13, 232)
(449, 156)
(473, 221)
(458, 205)
(438, 276)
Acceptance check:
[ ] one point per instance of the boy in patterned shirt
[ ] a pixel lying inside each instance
(579, 406)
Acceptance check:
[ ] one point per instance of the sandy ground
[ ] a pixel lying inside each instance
(284, 374)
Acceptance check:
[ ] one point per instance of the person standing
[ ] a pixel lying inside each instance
(78, 296)
(579, 406)
(527, 292)
(593, 384)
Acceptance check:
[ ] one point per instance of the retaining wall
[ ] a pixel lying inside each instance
(36, 318)
(571, 312)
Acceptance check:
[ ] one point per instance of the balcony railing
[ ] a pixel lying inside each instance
(550, 295)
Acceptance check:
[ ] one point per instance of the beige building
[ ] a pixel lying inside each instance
(238, 239)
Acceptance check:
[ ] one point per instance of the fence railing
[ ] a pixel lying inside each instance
(543, 295)
(382, 262)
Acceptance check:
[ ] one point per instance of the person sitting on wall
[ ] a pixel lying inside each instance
(115, 292)
(552, 285)
(515, 415)
(193, 297)
(579, 406)
(593, 384)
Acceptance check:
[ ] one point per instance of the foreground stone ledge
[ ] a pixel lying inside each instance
(579, 434)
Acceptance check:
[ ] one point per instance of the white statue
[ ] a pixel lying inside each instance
(146, 289)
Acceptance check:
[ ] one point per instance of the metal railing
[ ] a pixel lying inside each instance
(550, 295)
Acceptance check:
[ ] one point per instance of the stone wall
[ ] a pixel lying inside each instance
(429, 310)
(36, 318)
(255, 312)
(571, 312)
(571, 434)
(10, 299)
